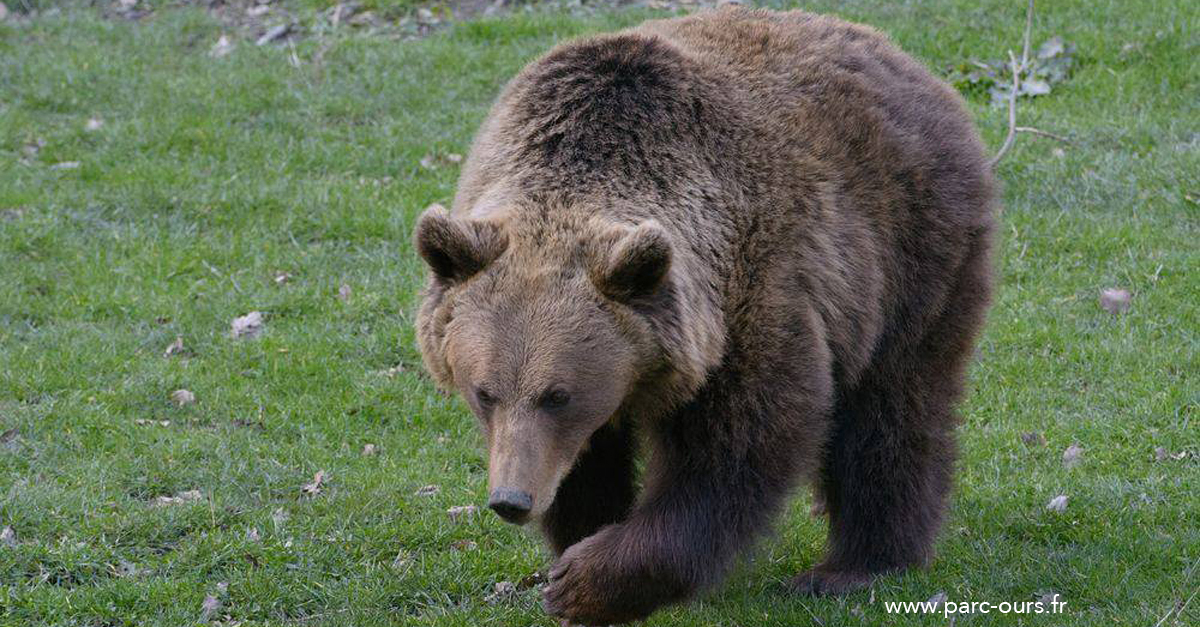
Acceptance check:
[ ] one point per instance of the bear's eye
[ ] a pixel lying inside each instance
(554, 399)
(485, 398)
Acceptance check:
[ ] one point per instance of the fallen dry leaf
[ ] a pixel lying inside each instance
(247, 325)
(1115, 301)
(1071, 456)
(531, 580)
(142, 422)
(369, 450)
(252, 535)
(282, 277)
(65, 165)
(1058, 504)
(1047, 598)
(314, 488)
(8, 436)
(183, 397)
(1033, 438)
(501, 591)
(938, 599)
(464, 545)
(125, 568)
(186, 496)
(8, 537)
(1161, 454)
(462, 512)
(175, 348)
(209, 608)
(429, 490)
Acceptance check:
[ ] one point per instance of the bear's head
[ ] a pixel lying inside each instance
(541, 326)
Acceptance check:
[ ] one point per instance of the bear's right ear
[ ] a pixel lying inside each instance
(456, 249)
(635, 263)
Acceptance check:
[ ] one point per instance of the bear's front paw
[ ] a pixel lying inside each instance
(589, 584)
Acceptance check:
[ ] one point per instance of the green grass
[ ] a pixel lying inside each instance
(209, 176)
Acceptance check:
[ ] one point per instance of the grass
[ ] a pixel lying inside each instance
(211, 176)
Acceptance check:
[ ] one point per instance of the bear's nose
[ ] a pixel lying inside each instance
(511, 505)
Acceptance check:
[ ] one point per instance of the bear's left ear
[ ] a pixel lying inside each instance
(631, 262)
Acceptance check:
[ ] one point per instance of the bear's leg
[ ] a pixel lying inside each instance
(721, 469)
(889, 462)
(598, 491)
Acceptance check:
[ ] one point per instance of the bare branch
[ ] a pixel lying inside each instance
(1017, 69)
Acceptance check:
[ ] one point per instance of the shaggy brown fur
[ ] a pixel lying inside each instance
(759, 239)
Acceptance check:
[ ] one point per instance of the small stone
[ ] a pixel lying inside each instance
(183, 397)
(1161, 454)
(344, 292)
(454, 158)
(282, 277)
(1059, 153)
(937, 600)
(1058, 504)
(252, 535)
(462, 512)
(94, 124)
(369, 450)
(1115, 301)
(1071, 456)
(1033, 438)
(8, 537)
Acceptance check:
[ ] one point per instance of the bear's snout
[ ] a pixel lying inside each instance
(512, 505)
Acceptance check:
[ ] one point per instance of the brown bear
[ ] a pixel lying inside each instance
(755, 244)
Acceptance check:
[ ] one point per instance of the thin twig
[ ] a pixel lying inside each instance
(1037, 131)
(1017, 69)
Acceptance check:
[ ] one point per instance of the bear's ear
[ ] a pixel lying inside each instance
(456, 249)
(635, 262)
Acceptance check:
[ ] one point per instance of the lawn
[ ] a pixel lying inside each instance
(150, 191)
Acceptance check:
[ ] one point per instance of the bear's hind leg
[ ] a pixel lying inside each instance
(885, 482)
(598, 491)
(888, 466)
